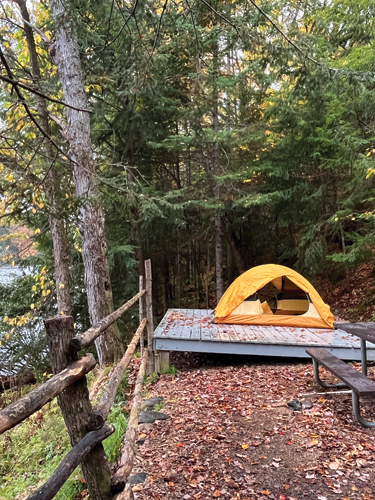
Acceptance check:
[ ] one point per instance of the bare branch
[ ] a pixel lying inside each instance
(39, 31)
(27, 109)
(286, 37)
(12, 164)
(221, 16)
(60, 122)
(159, 26)
(38, 93)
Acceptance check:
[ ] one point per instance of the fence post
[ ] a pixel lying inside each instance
(142, 339)
(150, 321)
(76, 407)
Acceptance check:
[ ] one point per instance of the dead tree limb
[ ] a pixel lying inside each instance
(101, 412)
(118, 481)
(70, 462)
(85, 339)
(12, 81)
(29, 404)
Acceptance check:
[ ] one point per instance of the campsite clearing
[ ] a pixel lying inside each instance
(232, 436)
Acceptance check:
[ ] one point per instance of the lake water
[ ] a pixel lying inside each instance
(7, 274)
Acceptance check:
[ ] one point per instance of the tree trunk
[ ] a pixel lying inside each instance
(56, 224)
(76, 407)
(234, 248)
(218, 219)
(216, 171)
(94, 245)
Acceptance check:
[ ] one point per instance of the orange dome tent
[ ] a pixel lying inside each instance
(297, 303)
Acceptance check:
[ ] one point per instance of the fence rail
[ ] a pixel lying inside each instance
(87, 426)
(36, 399)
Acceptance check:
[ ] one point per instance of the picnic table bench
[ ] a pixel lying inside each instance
(360, 385)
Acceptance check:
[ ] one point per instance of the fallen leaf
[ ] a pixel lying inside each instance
(232, 484)
(244, 446)
(333, 465)
(216, 494)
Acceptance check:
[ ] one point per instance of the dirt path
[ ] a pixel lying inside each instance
(231, 435)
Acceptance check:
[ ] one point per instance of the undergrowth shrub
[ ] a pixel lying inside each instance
(30, 453)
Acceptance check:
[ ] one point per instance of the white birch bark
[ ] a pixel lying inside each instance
(94, 246)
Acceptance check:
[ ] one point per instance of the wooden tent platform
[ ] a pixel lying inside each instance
(193, 330)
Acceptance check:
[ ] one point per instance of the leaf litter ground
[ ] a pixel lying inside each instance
(232, 436)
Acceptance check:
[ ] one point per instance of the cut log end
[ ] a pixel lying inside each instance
(96, 421)
(117, 484)
(75, 344)
(126, 494)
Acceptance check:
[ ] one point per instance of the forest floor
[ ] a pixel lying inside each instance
(231, 435)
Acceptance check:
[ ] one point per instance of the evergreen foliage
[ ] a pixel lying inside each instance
(293, 86)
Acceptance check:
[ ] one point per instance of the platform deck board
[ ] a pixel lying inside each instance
(193, 330)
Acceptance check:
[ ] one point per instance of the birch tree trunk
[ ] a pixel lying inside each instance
(56, 224)
(65, 52)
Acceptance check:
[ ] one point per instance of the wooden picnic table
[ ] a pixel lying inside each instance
(365, 331)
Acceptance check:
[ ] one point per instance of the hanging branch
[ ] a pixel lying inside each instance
(221, 17)
(286, 37)
(159, 26)
(27, 109)
(40, 94)
(124, 25)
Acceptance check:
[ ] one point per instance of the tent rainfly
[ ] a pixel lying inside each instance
(297, 303)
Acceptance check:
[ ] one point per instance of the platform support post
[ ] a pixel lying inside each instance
(164, 361)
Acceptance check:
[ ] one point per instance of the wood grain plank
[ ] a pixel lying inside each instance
(268, 334)
(209, 330)
(195, 332)
(242, 335)
(160, 329)
(224, 332)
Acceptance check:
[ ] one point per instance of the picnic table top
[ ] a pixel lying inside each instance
(363, 330)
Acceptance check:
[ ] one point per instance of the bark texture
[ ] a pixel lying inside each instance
(52, 189)
(66, 55)
(218, 219)
(76, 407)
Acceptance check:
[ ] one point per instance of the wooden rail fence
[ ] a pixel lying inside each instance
(87, 426)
